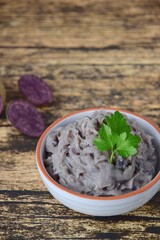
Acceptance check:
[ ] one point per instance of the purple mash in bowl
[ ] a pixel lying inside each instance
(75, 163)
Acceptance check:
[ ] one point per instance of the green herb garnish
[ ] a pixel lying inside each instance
(115, 136)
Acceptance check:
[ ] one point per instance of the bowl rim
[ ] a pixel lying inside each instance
(76, 194)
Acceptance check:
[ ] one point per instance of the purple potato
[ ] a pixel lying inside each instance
(35, 89)
(2, 96)
(1, 105)
(25, 118)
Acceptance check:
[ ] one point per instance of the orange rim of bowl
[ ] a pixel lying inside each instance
(51, 180)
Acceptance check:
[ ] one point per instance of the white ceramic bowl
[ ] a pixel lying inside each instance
(99, 206)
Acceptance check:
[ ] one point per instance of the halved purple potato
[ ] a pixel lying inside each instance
(25, 118)
(35, 89)
(1, 105)
(2, 96)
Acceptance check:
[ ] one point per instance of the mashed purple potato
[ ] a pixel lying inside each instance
(74, 162)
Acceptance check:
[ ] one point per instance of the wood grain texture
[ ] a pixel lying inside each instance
(42, 217)
(68, 23)
(93, 54)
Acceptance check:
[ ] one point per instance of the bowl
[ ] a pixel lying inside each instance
(102, 205)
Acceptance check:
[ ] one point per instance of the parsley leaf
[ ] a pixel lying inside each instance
(117, 123)
(104, 140)
(116, 137)
(127, 145)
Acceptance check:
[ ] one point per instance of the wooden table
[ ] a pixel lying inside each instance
(93, 53)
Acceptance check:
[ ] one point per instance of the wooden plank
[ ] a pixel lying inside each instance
(54, 221)
(77, 24)
(108, 55)
(19, 171)
(80, 85)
